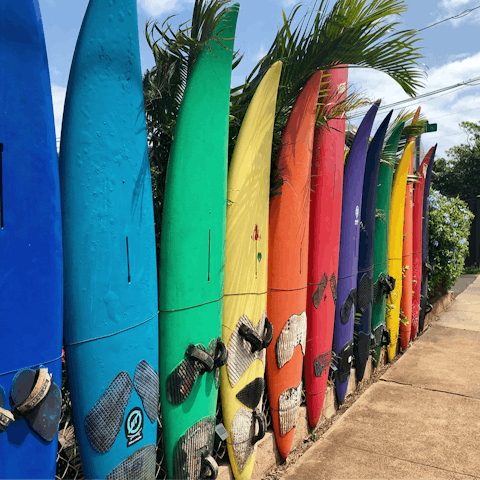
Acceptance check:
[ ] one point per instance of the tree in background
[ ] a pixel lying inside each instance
(449, 228)
(458, 175)
(351, 33)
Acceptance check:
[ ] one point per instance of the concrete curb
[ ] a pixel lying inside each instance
(267, 455)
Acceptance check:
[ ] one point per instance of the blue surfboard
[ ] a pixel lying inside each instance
(30, 247)
(363, 310)
(111, 300)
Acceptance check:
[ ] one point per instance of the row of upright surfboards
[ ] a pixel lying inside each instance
(260, 282)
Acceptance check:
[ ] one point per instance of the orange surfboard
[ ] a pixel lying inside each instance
(287, 266)
(407, 292)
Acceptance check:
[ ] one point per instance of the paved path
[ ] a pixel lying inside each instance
(422, 419)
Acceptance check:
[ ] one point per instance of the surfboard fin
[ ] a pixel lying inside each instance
(34, 396)
(251, 394)
(6, 417)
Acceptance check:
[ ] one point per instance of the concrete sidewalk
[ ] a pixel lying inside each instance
(422, 419)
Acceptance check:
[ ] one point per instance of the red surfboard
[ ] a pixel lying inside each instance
(417, 239)
(324, 244)
(287, 265)
(406, 301)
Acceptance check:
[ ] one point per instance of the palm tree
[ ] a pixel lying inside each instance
(353, 33)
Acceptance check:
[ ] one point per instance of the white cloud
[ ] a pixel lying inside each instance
(157, 7)
(456, 7)
(58, 97)
(261, 53)
(450, 108)
(451, 4)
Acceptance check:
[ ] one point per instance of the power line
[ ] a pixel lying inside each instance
(460, 15)
(456, 113)
(425, 95)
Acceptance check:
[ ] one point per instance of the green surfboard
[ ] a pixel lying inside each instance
(383, 283)
(192, 257)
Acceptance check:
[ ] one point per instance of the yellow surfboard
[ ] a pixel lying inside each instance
(246, 330)
(395, 247)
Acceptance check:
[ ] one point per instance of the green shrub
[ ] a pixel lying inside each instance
(449, 224)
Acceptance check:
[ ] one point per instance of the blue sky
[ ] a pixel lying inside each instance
(450, 50)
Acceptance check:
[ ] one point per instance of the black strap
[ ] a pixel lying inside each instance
(268, 337)
(200, 356)
(428, 308)
(221, 354)
(209, 467)
(386, 338)
(388, 284)
(259, 419)
(250, 335)
(427, 269)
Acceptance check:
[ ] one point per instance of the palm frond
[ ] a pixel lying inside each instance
(411, 130)
(353, 33)
(175, 54)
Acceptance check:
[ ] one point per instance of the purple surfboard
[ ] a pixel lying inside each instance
(348, 257)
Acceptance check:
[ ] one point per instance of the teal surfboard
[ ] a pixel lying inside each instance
(111, 302)
(192, 260)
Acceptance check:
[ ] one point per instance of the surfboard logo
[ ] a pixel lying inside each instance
(134, 426)
(258, 256)
(256, 235)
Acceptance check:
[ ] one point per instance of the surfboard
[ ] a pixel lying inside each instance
(111, 299)
(383, 281)
(417, 238)
(395, 247)
(363, 307)
(192, 257)
(406, 300)
(324, 244)
(348, 254)
(425, 307)
(31, 271)
(246, 330)
(287, 265)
